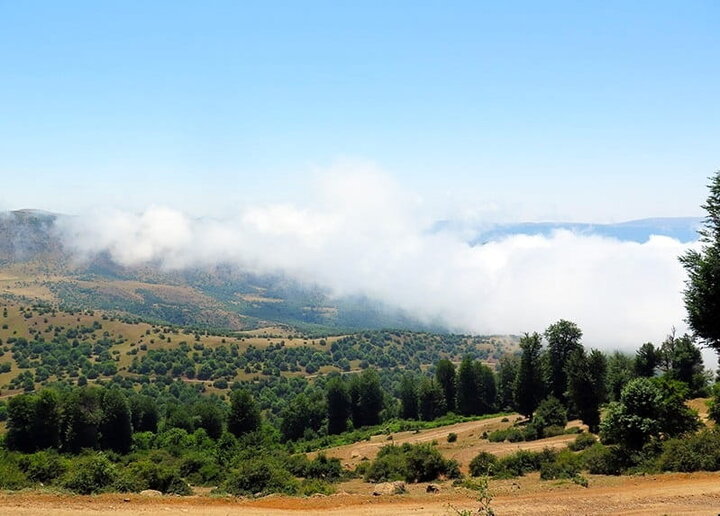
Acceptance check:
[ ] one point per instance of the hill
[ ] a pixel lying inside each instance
(42, 344)
(36, 265)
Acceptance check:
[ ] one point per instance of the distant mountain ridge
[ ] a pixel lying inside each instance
(683, 229)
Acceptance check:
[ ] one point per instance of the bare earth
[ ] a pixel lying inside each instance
(696, 493)
(469, 442)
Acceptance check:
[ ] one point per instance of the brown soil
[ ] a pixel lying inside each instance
(696, 493)
(469, 442)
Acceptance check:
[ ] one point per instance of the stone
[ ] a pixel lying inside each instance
(150, 492)
(390, 488)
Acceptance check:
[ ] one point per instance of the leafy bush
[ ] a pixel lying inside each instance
(452, 437)
(497, 436)
(550, 413)
(699, 452)
(149, 475)
(603, 460)
(199, 469)
(523, 461)
(412, 463)
(91, 474)
(324, 468)
(515, 435)
(260, 476)
(11, 476)
(565, 465)
(582, 442)
(43, 466)
(483, 463)
(424, 463)
(553, 430)
(390, 464)
(312, 486)
(297, 464)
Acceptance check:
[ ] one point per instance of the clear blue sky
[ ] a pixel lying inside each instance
(574, 110)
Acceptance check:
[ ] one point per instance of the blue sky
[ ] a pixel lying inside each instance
(524, 110)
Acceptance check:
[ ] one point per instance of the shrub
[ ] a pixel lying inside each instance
(565, 465)
(11, 476)
(553, 430)
(149, 475)
(515, 435)
(582, 442)
(483, 463)
(424, 463)
(199, 469)
(260, 476)
(312, 486)
(602, 460)
(390, 464)
(90, 475)
(297, 464)
(699, 452)
(452, 437)
(497, 436)
(412, 463)
(43, 466)
(523, 461)
(324, 468)
(551, 413)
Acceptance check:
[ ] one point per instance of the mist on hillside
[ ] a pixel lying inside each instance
(363, 234)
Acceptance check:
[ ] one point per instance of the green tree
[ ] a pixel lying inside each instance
(445, 376)
(586, 385)
(507, 372)
(20, 423)
(144, 412)
(467, 394)
(338, 405)
(646, 360)
(702, 288)
(367, 398)
(529, 386)
(47, 420)
(550, 412)
(620, 370)
(648, 408)
(210, 417)
(563, 339)
(431, 400)
(683, 362)
(116, 423)
(301, 414)
(408, 397)
(82, 416)
(244, 414)
(485, 387)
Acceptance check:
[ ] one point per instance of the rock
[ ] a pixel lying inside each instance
(126, 500)
(150, 492)
(389, 488)
(432, 488)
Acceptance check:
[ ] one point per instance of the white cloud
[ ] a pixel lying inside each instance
(362, 233)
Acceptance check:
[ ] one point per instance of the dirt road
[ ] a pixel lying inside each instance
(469, 442)
(696, 494)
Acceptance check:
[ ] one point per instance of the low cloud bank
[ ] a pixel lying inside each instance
(363, 234)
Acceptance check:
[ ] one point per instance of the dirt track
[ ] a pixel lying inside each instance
(469, 442)
(697, 494)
